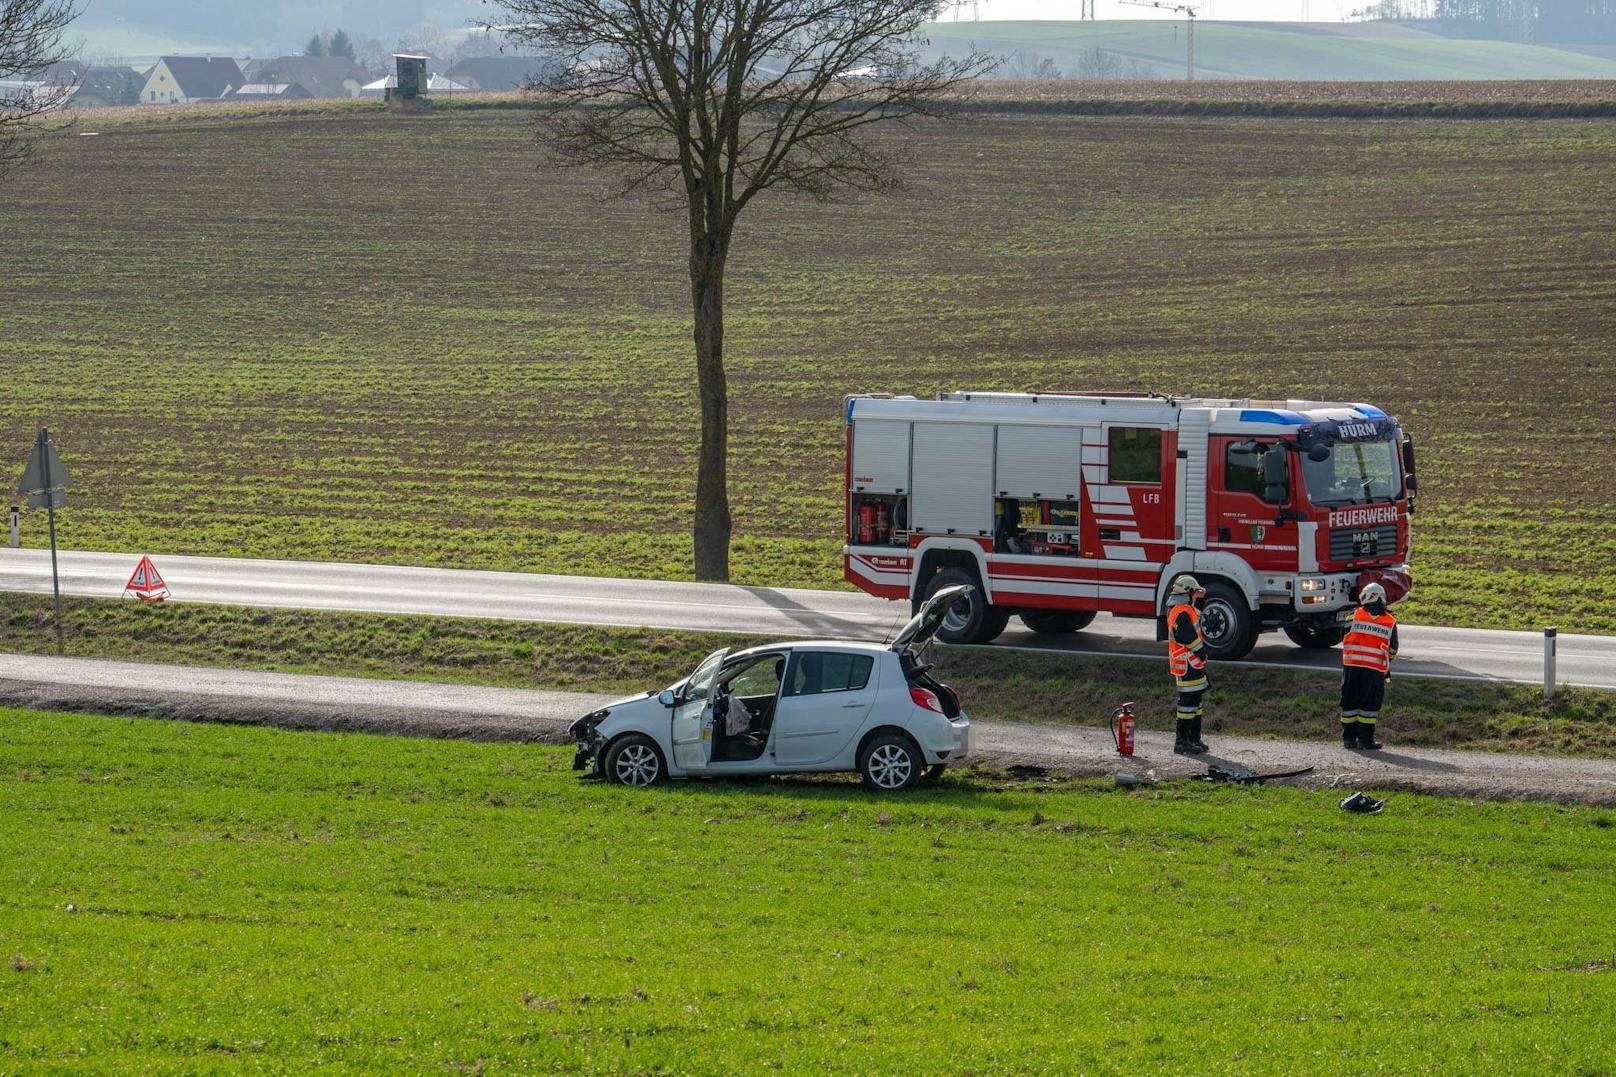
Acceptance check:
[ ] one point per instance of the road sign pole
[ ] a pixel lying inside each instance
(1550, 645)
(50, 512)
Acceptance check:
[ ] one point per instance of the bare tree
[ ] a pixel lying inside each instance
(31, 40)
(715, 102)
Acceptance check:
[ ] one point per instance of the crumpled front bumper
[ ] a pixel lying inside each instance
(586, 735)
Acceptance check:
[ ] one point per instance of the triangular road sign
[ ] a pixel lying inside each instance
(147, 583)
(42, 461)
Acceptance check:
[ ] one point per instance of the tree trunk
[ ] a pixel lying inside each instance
(712, 524)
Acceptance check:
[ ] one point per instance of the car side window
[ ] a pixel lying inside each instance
(760, 677)
(818, 672)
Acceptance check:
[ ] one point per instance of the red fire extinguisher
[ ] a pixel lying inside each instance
(866, 523)
(1122, 722)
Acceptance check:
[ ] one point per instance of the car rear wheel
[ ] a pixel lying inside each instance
(972, 619)
(1227, 625)
(891, 763)
(1312, 637)
(634, 760)
(1057, 622)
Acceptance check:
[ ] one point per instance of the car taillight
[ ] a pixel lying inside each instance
(925, 697)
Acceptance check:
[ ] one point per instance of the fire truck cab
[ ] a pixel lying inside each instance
(1055, 507)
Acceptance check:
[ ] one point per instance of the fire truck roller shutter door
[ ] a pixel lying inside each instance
(953, 479)
(1039, 462)
(881, 456)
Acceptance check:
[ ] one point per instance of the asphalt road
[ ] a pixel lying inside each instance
(1434, 652)
(414, 708)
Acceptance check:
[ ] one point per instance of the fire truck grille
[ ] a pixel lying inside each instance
(1352, 543)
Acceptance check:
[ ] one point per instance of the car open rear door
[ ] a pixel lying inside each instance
(693, 715)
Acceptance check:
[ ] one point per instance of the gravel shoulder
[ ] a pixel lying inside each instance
(429, 709)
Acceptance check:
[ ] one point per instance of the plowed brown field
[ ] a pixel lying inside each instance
(379, 337)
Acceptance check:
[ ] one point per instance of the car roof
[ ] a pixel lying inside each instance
(829, 644)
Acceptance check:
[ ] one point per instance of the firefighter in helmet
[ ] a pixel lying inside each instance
(1186, 657)
(1366, 658)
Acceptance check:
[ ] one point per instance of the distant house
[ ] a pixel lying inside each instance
(321, 76)
(177, 79)
(435, 84)
(269, 91)
(496, 74)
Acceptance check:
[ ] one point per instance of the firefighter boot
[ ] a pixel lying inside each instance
(1181, 738)
(1366, 737)
(1349, 733)
(1197, 745)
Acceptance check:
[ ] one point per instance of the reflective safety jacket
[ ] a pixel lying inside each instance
(1184, 643)
(1371, 641)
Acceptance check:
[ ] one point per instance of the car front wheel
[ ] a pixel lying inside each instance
(634, 760)
(891, 763)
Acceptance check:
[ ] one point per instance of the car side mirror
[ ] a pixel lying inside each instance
(1276, 477)
(1319, 453)
(667, 698)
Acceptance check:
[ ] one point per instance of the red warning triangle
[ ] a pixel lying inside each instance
(147, 583)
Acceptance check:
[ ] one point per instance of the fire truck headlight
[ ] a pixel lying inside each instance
(1312, 583)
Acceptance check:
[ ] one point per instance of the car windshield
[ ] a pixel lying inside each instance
(1356, 473)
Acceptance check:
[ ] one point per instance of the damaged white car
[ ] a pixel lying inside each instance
(790, 708)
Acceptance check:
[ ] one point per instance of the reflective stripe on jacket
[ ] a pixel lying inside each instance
(1183, 657)
(1369, 641)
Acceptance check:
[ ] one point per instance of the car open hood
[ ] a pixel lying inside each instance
(925, 624)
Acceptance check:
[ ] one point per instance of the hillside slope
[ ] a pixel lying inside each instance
(1354, 51)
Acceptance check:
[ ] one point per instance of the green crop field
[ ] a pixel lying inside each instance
(1270, 50)
(181, 897)
(369, 336)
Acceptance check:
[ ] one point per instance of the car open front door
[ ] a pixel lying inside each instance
(693, 714)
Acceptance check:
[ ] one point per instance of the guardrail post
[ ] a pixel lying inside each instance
(1550, 636)
(16, 527)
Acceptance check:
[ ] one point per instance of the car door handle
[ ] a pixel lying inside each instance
(850, 706)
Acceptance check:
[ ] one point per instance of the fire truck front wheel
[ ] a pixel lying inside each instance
(972, 620)
(1227, 623)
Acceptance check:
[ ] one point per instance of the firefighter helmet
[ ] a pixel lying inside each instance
(1186, 585)
(1372, 592)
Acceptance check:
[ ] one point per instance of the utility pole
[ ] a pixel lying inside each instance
(1187, 10)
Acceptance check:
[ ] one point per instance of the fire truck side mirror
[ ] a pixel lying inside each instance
(1276, 476)
(1408, 459)
(1319, 453)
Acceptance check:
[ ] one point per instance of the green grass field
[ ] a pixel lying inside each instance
(368, 336)
(1273, 50)
(182, 898)
(995, 684)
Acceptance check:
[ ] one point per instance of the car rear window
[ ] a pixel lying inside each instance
(817, 672)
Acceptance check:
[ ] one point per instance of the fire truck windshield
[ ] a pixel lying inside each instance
(1356, 473)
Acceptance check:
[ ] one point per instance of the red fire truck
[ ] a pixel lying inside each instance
(1055, 507)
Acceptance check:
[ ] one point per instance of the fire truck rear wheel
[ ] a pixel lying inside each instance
(1313, 638)
(1057, 622)
(1227, 623)
(979, 622)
